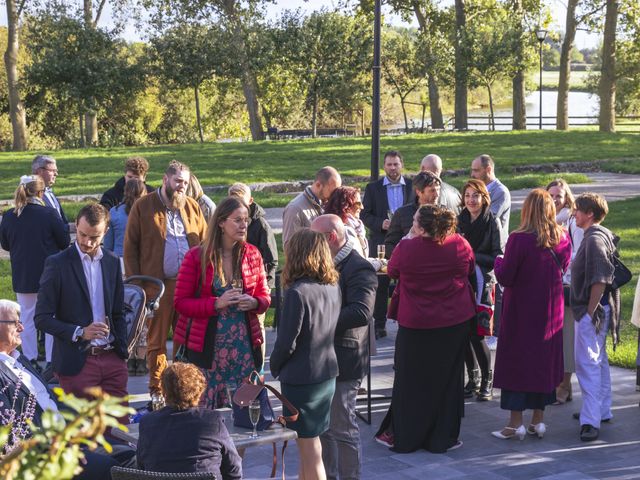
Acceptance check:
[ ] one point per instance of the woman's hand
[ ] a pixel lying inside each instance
(228, 298)
(247, 303)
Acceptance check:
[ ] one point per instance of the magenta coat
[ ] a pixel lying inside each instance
(529, 355)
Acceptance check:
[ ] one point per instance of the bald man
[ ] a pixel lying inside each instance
(449, 195)
(341, 450)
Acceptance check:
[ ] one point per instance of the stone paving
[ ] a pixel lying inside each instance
(560, 455)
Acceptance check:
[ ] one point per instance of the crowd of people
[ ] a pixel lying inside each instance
(439, 261)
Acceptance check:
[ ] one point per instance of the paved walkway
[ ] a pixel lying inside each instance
(560, 455)
(614, 186)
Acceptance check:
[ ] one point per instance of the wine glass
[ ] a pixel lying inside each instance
(254, 416)
(381, 252)
(237, 283)
(389, 215)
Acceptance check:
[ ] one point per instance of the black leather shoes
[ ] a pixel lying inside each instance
(589, 433)
(381, 333)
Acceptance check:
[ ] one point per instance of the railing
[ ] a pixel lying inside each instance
(502, 122)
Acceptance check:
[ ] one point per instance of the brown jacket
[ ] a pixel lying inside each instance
(146, 234)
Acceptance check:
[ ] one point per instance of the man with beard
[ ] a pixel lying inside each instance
(162, 227)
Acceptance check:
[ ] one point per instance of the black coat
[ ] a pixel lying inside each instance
(113, 197)
(358, 285)
(374, 209)
(490, 247)
(64, 304)
(400, 225)
(260, 234)
(187, 441)
(30, 238)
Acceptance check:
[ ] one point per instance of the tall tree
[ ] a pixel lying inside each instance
(16, 107)
(234, 16)
(607, 86)
(461, 120)
(562, 110)
(519, 121)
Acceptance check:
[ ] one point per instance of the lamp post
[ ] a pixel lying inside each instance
(541, 34)
(375, 106)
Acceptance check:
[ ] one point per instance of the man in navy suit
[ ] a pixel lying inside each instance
(21, 386)
(46, 167)
(381, 199)
(80, 303)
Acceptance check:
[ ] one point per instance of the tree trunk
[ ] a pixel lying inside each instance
(198, 117)
(362, 122)
(404, 114)
(83, 142)
(607, 87)
(424, 109)
(434, 104)
(518, 83)
(492, 119)
(90, 116)
(461, 117)
(562, 108)
(314, 117)
(16, 107)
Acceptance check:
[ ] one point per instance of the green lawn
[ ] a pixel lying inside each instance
(95, 170)
(623, 220)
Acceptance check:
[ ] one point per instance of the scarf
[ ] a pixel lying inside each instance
(315, 201)
(474, 231)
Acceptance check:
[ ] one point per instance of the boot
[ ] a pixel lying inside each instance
(486, 387)
(472, 384)
(131, 367)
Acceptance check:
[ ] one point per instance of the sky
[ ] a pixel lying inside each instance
(558, 9)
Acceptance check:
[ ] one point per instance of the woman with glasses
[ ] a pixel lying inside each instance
(220, 291)
(31, 232)
(345, 202)
(481, 229)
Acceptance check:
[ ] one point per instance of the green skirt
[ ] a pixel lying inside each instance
(314, 404)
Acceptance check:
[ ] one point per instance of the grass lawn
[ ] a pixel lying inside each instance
(94, 170)
(623, 220)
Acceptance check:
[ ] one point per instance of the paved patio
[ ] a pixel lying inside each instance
(560, 455)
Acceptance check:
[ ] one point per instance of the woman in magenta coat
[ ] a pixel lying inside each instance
(529, 362)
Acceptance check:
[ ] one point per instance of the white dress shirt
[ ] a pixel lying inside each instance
(33, 383)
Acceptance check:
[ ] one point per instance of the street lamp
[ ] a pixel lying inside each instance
(375, 106)
(541, 34)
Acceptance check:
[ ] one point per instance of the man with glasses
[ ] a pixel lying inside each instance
(162, 227)
(46, 167)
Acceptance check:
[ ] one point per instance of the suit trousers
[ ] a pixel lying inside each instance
(29, 335)
(381, 303)
(341, 449)
(107, 371)
(163, 320)
(592, 370)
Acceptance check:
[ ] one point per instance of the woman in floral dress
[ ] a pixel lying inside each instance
(218, 321)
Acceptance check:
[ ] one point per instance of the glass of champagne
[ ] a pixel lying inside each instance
(237, 283)
(254, 416)
(389, 215)
(381, 252)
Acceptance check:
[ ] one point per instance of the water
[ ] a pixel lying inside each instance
(581, 104)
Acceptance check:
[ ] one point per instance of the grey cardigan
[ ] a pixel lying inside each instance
(303, 352)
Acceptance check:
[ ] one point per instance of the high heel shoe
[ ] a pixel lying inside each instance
(519, 432)
(538, 429)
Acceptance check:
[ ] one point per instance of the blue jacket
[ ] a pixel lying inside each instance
(114, 239)
(30, 238)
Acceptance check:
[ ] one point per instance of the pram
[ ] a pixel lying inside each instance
(138, 309)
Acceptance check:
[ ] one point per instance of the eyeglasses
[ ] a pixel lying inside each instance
(52, 170)
(15, 322)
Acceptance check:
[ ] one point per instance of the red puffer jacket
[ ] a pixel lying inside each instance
(203, 307)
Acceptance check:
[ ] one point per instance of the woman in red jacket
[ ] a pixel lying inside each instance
(436, 304)
(219, 315)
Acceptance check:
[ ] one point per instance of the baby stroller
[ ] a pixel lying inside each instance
(138, 309)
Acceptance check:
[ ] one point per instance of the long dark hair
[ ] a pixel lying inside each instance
(133, 190)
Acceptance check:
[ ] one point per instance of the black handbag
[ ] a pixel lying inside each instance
(621, 274)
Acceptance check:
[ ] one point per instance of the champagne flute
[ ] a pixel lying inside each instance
(381, 252)
(237, 283)
(254, 416)
(389, 215)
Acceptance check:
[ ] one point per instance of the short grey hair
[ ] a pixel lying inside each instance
(41, 161)
(486, 160)
(9, 308)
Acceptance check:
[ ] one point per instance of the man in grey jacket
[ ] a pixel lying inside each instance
(309, 204)
(449, 195)
(341, 450)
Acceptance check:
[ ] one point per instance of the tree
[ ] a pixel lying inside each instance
(401, 67)
(607, 85)
(519, 121)
(186, 55)
(17, 111)
(461, 120)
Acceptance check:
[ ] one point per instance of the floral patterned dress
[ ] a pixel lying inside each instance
(233, 358)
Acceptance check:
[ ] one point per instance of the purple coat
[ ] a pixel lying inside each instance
(529, 355)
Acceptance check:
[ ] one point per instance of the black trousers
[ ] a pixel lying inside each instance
(382, 301)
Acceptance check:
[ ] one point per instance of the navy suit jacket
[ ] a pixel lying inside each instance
(374, 209)
(64, 304)
(56, 205)
(30, 238)
(187, 441)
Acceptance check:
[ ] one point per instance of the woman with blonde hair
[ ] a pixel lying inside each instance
(220, 291)
(303, 356)
(195, 191)
(31, 232)
(529, 362)
(565, 215)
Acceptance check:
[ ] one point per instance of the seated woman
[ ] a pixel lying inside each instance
(182, 438)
